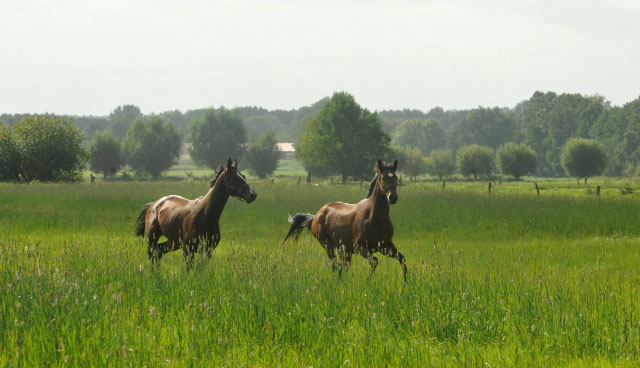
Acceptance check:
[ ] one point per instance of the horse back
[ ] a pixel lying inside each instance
(168, 213)
(334, 222)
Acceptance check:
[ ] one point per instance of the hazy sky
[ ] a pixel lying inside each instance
(87, 57)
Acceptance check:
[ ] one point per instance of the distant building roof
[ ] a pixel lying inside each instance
(286, 147)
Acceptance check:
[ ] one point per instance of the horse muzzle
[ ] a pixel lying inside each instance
(393, 198)
(250, 195)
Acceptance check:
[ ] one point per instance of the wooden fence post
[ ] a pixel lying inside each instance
(537, 190)
(489, 187)
(598, 191)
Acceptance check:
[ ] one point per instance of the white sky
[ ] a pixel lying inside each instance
(88, 56)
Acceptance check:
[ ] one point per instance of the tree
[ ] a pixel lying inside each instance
(582, 158)
(216, 136)
(122, 117)
(151, 146)
(535, 121)
(263, 155)
(426, 135)
(441, 163)
(475, 160)
(517, 160)
(50, 148)
(104, 153)
(257, 125)
(489, 127)
(413, 163)
(9, 155)
(345, 136)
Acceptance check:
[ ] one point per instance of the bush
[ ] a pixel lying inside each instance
(50, 149)
(475, 160)
(104, 153)
(441, 164)
(517, 160)
(215, 137)
(151, 146)
(582, 158)
(263, 155)
(9, 155)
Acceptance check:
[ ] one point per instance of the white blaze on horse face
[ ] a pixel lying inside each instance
(390, 175)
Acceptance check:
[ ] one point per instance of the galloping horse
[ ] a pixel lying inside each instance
(186, 223)
(363, 227)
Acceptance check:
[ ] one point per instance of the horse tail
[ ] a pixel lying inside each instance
(141, 220)
(298, 223)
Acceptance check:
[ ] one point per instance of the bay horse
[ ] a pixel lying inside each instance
(188, 223)
(363, 227)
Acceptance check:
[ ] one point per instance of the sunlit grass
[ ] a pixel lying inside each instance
(507, 279)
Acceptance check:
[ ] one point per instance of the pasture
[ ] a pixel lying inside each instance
(508, 279)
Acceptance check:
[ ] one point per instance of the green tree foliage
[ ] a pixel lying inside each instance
(490, 127)
(572, 115)
(535, 112)
(9, 155)
(122, 117)
(263, 155)
(475, 160)
(618, 129)
(517, 160)
(151, 146)
(582, 158)
(345, 136)
(413, 163)
(50, 148)
(426, 135)
(104, 153)
(258, 125)
(216, 136)
(441, 164)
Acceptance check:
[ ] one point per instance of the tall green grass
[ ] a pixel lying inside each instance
(508, 279)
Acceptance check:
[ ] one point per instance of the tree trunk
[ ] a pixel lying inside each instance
(585, 180)
(344, 178)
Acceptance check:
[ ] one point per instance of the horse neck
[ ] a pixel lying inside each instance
(379, 202)
(216, 199)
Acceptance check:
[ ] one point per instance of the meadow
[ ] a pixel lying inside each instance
(495, 280)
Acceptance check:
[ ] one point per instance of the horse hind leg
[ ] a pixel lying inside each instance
(345, 259)
(332, 256)
(154, 249)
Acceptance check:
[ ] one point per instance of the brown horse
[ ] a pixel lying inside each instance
(363, 227)
(188, 223)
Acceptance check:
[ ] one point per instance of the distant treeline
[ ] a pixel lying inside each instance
(545, 122)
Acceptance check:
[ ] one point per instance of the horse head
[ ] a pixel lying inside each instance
(236, 183)
(387, 179)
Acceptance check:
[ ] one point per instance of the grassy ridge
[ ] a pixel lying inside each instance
(505, 280)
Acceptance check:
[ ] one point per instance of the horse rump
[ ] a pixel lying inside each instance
(298, 223)
(141, 219)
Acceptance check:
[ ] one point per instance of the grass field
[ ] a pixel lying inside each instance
(507, 279)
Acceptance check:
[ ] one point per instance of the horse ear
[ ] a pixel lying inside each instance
(235, 163)
(380, 165)
(229, 163)
(395, 165)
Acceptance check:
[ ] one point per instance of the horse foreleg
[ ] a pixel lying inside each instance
(393, 253)
(212, 244)
(188, 250)
(373, 261)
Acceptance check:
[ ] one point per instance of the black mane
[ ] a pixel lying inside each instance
(213, 181)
